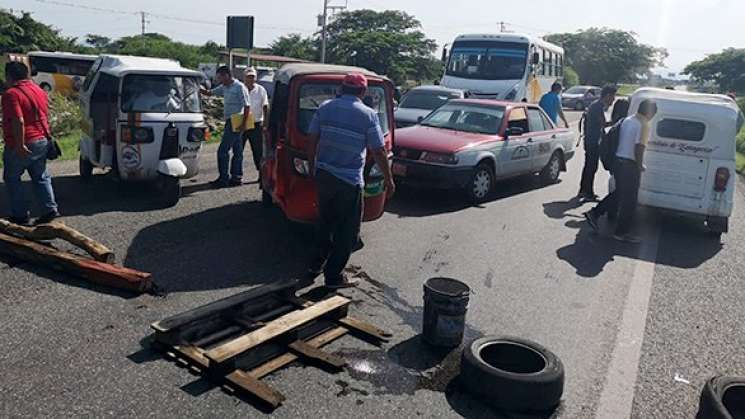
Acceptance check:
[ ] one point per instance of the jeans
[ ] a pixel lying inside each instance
(340, 206)
(36, 165)
(230, 141)
(625, 197)
(255, 138)
(592, 157)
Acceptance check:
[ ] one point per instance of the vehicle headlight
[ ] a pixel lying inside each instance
(302, 167)
(439, 158)
(130, 134)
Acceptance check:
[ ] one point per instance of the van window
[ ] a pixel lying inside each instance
(680, 129)
(312, 96)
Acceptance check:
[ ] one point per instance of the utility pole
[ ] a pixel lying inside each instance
(502, 26)
(324, 22)
(143, 21)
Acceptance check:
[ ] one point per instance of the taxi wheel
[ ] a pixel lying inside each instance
(86, 168)
(171, 189)
(550, 173)
(481, 183)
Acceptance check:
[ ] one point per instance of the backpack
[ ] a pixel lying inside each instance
(609, 146)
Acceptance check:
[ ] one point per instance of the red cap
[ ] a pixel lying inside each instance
(357, 80)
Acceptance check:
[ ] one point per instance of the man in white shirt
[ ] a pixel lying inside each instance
(260, 109)
(629, 164)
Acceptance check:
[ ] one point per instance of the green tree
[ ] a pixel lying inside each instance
(570, 77)
(160, 46)
(98, 42)
(726, 69)
(23, 34)
(602, 55)
(296, 46)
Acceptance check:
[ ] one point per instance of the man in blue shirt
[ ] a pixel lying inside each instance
(342, 131)
(551, 104)
(236, 101)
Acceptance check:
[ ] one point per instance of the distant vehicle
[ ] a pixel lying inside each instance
(420, 101)
(580, 97)
(142, 117)
(61, 72)
(468, 144)
(505, 66)
(690, 157)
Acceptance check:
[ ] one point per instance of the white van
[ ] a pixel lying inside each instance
(690, 157)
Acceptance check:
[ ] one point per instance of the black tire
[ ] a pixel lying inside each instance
(481, 183)
(266, 199)
(171, 189)
(86, 168)
(46, 87)
(717, 225)
(722, 398)
(550, 173)
(517, 374)
(579, 106)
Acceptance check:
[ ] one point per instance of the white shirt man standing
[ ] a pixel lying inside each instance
(259, 104)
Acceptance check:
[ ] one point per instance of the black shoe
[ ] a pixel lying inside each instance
(25, 221)
(592, 220)
(235, 182)
(48, 218)
(359, 245)
(316, 269)
(219, 183)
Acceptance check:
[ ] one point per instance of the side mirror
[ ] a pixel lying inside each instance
(536, 58)
(34, 73)
(444, 55)
(513, 132)
(419, 119)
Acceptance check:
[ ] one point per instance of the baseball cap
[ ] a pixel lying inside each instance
(250, 71)
(357, 80)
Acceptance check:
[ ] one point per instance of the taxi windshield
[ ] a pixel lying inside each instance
(159, 93)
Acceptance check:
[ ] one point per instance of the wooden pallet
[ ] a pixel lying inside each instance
(240, 339)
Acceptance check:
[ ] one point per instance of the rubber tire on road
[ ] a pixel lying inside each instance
(266, 199)
(539, 390)
(482, 169)
(86, 168)
(579, 106)
(46, 87)
(547, 177)
(171, 189)
(722, 398)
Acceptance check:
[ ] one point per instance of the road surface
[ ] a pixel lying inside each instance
(638, 328)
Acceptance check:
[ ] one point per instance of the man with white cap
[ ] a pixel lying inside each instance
(259, 108)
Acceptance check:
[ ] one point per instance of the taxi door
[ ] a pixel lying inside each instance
(516, 156)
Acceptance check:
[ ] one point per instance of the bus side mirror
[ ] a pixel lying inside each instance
(419, 119)
(444, 55)
(536, 58)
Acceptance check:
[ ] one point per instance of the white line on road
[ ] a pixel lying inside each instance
(616, 400)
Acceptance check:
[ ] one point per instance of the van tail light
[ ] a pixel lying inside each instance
(721, 179)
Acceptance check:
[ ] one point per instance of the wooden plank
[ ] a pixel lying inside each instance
(57, 230)
(365, 328)
(288, 358)
(315, 354)
(275, 328)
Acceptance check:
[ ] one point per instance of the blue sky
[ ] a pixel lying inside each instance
(688, 28)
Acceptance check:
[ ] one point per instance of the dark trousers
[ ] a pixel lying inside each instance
(340, 206)
(255, 139)
(625, 197)
(592, 157)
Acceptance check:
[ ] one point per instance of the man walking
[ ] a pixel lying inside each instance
(342, 130)
(259, 104)
(627, 169)
(595, 124)
(551, 104)
(27, 139)
(236, 102)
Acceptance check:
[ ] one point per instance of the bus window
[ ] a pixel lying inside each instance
(545, 63)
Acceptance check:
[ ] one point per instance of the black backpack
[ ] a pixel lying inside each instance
(609, 146)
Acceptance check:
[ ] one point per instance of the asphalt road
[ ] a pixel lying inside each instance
(625, 320)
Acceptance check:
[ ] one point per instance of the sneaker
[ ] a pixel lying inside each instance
(21, 221)
(235, 182)
(219, 183)
(344, 283)
(48, 218)
(627, 238)
(592, 220)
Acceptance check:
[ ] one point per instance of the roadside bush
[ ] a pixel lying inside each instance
(741, 102)
(64, 114)
(741, 141)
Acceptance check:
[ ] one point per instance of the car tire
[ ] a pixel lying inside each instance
(85, 167)
(550, 173)
(512, 374)
(46, 87)
(480, 185)
(722, 398)
(171, 189)
(579, 106)
(717, 225)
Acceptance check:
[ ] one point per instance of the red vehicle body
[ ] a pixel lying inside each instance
(299, 90)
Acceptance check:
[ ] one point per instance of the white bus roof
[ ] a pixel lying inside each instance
(62, 55)
(510, 37)
(121, 65)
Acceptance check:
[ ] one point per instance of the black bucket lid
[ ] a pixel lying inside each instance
(447, 286)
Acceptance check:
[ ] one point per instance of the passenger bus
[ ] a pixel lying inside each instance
(505, 66)
(61, 72)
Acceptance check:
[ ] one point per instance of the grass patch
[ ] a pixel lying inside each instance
(741, 151)
(627, 89)
(68, 143)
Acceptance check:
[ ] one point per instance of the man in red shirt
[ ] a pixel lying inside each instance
(25, 129)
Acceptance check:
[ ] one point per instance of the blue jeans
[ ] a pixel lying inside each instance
(230, 141)
(36, 165)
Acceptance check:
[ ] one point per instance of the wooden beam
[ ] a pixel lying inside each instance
(275, 328)
(97, 272)
(316, 354)
(365, 328)
(60, 231)
(288, 358)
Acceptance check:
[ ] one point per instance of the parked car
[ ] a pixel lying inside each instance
(422, 100)
(580, 97)
(469, 143)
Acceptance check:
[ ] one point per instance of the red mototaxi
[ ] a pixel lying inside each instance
(298, 92)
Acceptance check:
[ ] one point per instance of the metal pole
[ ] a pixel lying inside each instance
(142, 19)
(323, 30)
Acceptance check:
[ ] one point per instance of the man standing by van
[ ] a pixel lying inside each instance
(259, 109)
(236, 102)
(341, 131)
(26, 133)
(627, 169)
(551, 104)
(595, 123)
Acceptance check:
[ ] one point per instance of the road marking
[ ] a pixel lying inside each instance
(616, 400)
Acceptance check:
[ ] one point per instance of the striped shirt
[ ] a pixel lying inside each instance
(346, 129)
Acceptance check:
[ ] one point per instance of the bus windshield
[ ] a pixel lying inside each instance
(488, 60)
(156, 93)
